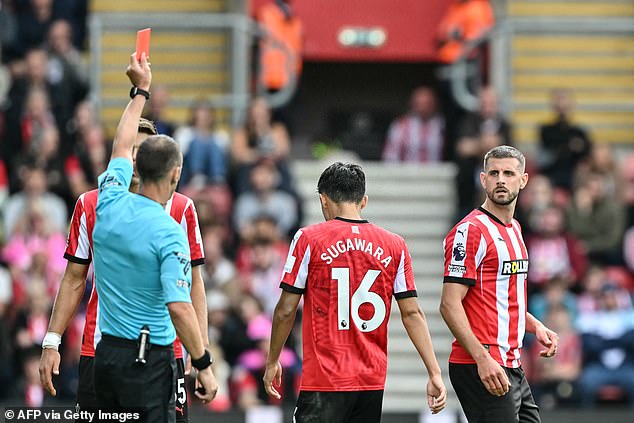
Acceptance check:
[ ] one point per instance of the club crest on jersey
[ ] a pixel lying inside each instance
(459, 252)
(514, 267)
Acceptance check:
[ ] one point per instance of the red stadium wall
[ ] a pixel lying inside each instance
(409, 26)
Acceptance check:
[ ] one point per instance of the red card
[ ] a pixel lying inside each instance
(143, 43)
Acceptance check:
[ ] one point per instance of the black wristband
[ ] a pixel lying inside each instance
(202, 362)
(134, 91)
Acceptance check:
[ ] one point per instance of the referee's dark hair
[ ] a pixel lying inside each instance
(156, 156)
(342, 183)
(505, 152)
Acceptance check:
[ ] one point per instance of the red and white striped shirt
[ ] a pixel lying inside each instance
(490, 257)
(79, 250)
(348, 271)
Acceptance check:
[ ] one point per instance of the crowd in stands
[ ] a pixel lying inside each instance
(577, 214)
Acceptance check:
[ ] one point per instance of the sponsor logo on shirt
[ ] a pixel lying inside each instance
(184, 260)
(108, 180)
(514, 267)
(455, 268)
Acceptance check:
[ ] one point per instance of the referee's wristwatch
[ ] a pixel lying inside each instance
(134, 91)
(202, 362)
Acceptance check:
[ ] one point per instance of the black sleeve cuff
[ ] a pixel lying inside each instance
(198, 262)
(463, 281)
(290, 288)
(76, 259)
(406, 294)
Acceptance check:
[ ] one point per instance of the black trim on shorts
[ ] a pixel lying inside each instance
(77, 260)
(290, 288)
(198, 262)
(462, 281)
(406, 294)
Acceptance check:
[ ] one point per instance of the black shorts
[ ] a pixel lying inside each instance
(123, 385)
(338, 407)
(182, 409)
(86, 396)
(480, 406)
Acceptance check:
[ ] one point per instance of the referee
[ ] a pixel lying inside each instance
(143, 272)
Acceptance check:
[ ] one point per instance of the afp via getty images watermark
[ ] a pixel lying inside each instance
(70, 415)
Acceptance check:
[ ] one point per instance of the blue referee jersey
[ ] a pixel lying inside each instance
(141, 259)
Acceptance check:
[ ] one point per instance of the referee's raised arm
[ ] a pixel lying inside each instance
(140, 75)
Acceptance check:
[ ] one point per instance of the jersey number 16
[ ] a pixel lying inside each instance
(361, 296)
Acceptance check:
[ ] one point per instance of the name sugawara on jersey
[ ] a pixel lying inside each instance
(355, 244)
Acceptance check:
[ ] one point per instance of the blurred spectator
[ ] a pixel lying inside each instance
(34, 190)
(554, 252)
(554, 380)
(8, 25)
(563, 145)
(75, 12)
(88, 161)
(33, 24)
(28, 391)
(219, 273)
(34, 251)
(251, 365)
(260, 139)
(4, 185)
(265, 198)
(602, 162)
(64, 59)
(262, 278)
(478, 133)
(536, 197)
(597, 219)
(63, 94)
(464, 22)
(594, 282)
(32, 320)
(555, 293)
(233, 332)
(218, 311)
(155, 110)
(203, 148)
(281, 45)
(608, 346)
(417, 137)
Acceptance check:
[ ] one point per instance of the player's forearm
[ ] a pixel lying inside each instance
(199, 301)
(418, 332)
(69, 295)
(283, 320)
(184, 319)
(532, 323)
(456, 319)
(125, 136)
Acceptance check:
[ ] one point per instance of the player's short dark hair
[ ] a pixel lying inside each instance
(156, 156)
(505, 152)
(146, 126)
(342, 183)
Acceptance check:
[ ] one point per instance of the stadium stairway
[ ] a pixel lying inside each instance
(418, 203)
(597, 65)
(192, 63)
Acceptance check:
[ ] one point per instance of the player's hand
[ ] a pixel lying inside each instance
(273, 378)
(208, 385)
(493, 377)
(139, 72)
(547, 338)
(49, 366)
(436, 394)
